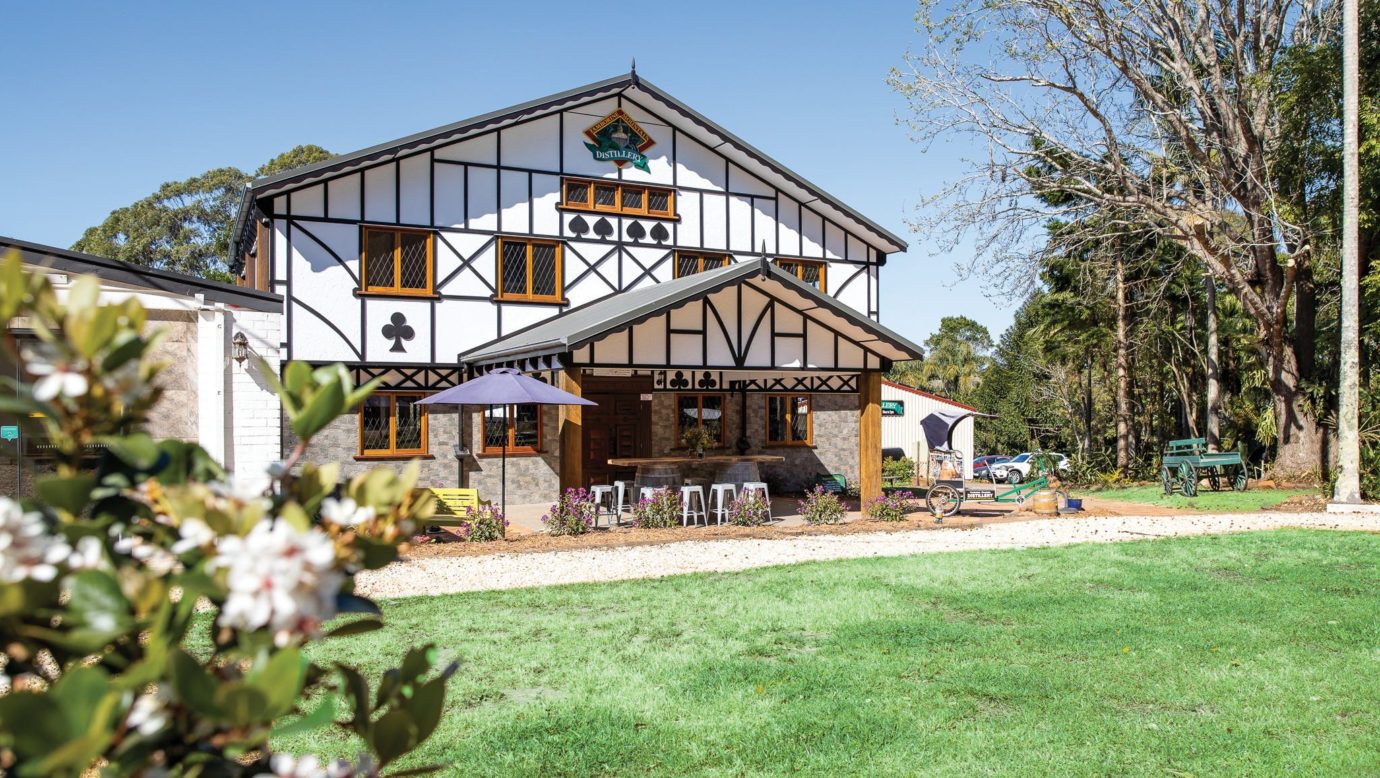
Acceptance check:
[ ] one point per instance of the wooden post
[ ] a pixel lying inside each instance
(869, 434)
(572, 433)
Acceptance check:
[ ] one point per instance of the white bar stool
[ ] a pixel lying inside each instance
(600, 491)
(758, 486)
(721, 497)
(622, 491)
(688, 495)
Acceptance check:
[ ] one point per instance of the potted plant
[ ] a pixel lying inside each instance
(696, 438)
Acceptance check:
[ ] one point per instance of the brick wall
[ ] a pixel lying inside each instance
(253, 413)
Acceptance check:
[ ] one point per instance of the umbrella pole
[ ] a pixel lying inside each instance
(503, 488)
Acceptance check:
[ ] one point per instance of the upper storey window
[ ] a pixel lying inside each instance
(688, 263)
(617, 197)
(396, 262)
(529, 270)
(811, 273)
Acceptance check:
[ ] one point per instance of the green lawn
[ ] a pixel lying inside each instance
(1225, 501)
(1249, 654)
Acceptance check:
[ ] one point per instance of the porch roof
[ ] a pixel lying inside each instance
(562, 335)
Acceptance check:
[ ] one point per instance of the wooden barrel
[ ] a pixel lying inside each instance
(658, 477)
(736, 473)
(1045, 503)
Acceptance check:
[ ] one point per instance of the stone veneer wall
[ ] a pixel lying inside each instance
(531, 479)
(835, 448)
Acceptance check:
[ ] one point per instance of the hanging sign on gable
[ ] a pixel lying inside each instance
(617, 138)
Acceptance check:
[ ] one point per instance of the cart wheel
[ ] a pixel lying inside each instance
(1215, 480)
(943, 500)
(1189, 473)
(1241, 479)
(1167, 480)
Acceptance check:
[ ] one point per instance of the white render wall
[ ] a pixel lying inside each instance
(252, 422)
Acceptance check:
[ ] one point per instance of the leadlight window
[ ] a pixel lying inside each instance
(393, 424)
(700, 410)
(688, 263)
(812, 273)
(516, 426)
(529, 270)
(790, 421)
(618, 197)
(397, 262)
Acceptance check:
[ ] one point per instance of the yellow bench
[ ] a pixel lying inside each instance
(452, 505)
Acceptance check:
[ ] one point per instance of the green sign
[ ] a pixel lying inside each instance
(617, 138)
(9, 432)
(893, 407)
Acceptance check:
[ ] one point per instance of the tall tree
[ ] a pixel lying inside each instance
(955, 357)
(1162, 110)
(185, 226)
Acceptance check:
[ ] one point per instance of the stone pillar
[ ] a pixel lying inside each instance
(211, 375)
(572, 433)
(869, 434)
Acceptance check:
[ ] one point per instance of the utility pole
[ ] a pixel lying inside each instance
(1348, 490)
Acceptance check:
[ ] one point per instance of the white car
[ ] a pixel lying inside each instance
(1018, 469)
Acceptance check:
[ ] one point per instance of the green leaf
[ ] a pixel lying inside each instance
(23, 405)
(321, 716)
(241, 704)
(37, 722)
(426, 707)
(280, 680)
(358, 688)
(78, 693)
(417, 661)
(195, 687)
(137, 450)
(353, 603)
(70, 494)
(295, 377)
(388, 686)
(393, 735)
(97, 602)
(129, 346)
(321, 409)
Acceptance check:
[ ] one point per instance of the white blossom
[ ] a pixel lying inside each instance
(279, 578)
(88, 554)
(149, 713)
(244, 488)
(155, 558)
(57, 375)
(194, 533)
(289, 766)
(345, 512)
(27, 550)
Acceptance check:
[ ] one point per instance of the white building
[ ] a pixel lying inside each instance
(210, 397)
(905, 407)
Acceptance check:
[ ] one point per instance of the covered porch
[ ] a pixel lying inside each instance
(768, 366)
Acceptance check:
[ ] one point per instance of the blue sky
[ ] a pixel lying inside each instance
(108, 100)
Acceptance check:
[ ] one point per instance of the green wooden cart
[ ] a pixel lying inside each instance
(1187, 462)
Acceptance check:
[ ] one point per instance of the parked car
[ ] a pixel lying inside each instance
(982, 466)
(1018, 469)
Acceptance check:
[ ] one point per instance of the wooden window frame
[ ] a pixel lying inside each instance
(701, 256)
(527, 297)
(699, 409)
(617, 208)
(797, 270)
(790, 417)
(393, 452)
(510, 414)
(395, 290)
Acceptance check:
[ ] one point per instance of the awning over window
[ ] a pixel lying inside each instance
(746, 316)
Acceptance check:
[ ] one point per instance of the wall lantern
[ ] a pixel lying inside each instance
(239, 347)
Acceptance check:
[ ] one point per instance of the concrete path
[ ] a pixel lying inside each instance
(444, 575)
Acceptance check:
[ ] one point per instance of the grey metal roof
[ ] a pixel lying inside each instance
(80, 263)
(530, 109)
(592, 321)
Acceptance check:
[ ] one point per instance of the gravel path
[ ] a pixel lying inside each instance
(445, 575)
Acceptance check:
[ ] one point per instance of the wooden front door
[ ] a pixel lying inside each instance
(620, 425)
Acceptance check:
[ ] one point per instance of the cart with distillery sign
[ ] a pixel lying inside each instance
(949, 490)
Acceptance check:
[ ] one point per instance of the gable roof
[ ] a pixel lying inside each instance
(930, 395)
(629, 85)
(79, 263)
(594, 320)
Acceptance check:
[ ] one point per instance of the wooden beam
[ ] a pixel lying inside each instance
(869, 434)
(572, 432)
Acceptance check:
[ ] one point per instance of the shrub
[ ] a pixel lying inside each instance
(902, 469)
(658, 511)
(483, 524)
(821, 507)
(573, 513)
(748, 510)
(103, 574)
(893, 506)
(697, 438)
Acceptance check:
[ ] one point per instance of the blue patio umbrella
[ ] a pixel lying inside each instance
(504, 386)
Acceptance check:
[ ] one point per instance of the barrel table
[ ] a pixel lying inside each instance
(671, 472)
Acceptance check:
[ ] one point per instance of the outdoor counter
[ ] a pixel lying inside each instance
(670, 472)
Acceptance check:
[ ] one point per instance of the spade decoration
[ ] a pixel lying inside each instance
(579, 226)
(398, 331)
(659, 233)
(602, 228)
(636, 231)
